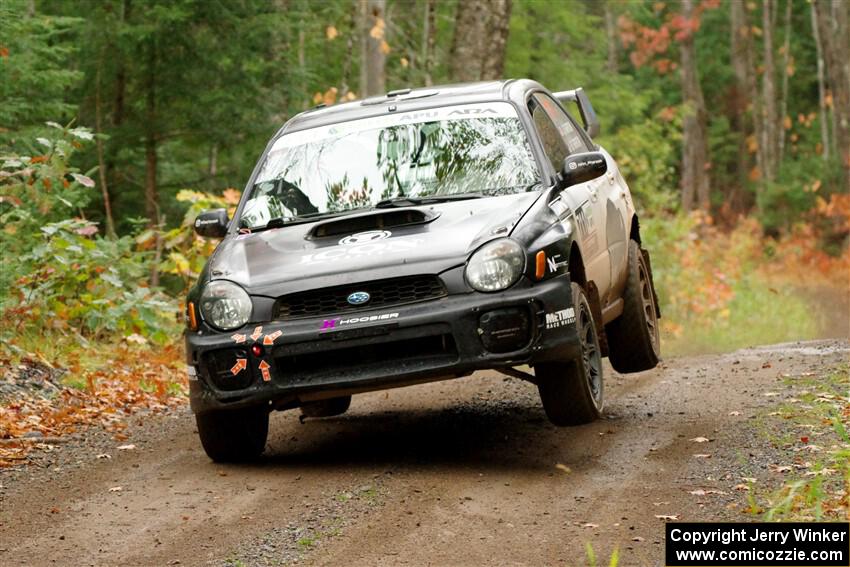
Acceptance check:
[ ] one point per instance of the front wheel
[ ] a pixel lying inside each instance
(233, 435)
(633, 338)
(572, 391)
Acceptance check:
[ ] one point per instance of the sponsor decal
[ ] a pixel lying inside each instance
(358, 298)
(560, 318)
(191, 372)
(268, 340)
(329, 324)
(204, 222)
(264, 370)
(584, 219)
(238, 339)
(366, 237)
(370, 248)
(554, 264)
(241, 364)
(471, 111)
(258, 332)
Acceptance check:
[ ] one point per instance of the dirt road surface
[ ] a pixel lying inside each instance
(466, 472)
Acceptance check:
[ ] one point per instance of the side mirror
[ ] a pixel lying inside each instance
(212, 224)
(579, 168)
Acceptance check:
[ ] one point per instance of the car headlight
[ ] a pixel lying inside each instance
(224, 305)
(495, 266)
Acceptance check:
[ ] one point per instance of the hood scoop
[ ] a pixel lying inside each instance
(373, 221)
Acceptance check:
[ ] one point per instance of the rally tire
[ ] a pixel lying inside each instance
(233, 436)
(634, 341)
(572, 391)
(326, 408)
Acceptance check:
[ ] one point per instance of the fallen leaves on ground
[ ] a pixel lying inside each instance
(701, 492)
(134, 379)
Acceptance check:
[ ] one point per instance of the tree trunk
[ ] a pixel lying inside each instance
(742, 113)
(783, 97)
(101, 170)
(611, 36)
(770, 138)
(493, 56)
(352, 32)
(150, 137)
(112, 173)
(832, 21)
(429, 39)
(480, 40)
(373, 58)
(213, 165)
(824, 124)
(695, 184)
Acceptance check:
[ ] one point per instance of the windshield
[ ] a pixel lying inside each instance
(472, 148)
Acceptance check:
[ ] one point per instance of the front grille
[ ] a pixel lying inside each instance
(383, 293)
(397, 357)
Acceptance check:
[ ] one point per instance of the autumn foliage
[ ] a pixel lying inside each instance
(127, 381)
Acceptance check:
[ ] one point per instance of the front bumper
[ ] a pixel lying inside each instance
(309, 359)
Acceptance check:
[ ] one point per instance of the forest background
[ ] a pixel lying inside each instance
(121, 119)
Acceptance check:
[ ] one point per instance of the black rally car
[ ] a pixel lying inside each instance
(414, 237)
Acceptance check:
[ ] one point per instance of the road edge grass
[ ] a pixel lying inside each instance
(811, 429)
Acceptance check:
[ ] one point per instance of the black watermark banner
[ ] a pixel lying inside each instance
(800, 544)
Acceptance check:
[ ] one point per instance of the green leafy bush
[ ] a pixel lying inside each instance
(95, 286)
(59, 273)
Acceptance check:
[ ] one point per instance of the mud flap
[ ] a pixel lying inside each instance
(596, 311)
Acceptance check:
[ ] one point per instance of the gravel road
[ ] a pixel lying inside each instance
(465, 472)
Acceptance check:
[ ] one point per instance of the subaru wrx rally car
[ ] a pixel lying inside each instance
(413, 237)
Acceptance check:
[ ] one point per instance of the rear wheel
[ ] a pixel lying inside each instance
(633, 338)
(233, 435)
(326, 408)
(572, 391)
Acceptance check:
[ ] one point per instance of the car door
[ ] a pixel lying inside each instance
(560, 137)
(614, 192)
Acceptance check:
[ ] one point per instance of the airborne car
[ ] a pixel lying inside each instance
(414, 237)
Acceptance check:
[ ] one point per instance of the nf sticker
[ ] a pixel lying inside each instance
(241, 364)
(269, 339)
(258, 332)
(264, 369)
(560, 318)
(554, 264)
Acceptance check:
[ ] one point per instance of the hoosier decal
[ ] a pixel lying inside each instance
(329, 324)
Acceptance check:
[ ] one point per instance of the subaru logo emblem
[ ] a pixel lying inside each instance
(358, 298)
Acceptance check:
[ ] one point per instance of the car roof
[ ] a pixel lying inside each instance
(412, 99)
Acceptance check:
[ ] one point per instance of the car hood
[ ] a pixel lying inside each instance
(292, 259)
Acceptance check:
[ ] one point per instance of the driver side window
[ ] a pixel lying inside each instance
(559, 136)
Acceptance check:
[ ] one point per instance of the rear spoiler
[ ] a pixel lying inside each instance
(588, 116)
